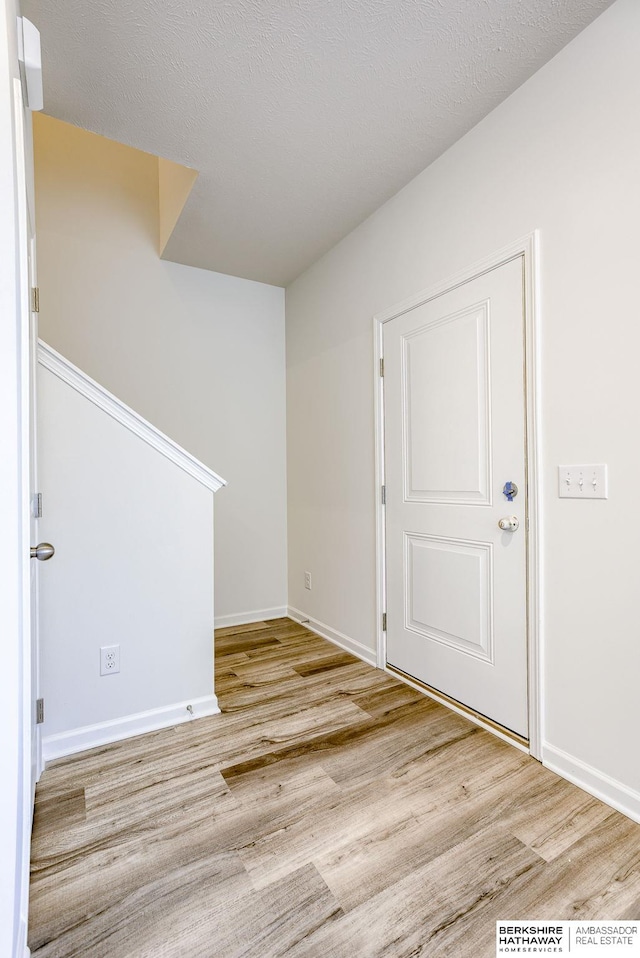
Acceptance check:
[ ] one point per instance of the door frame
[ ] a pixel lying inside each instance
(15, 609)
(526, 247)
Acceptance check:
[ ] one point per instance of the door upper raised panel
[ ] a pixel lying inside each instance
(446, 417)
(449, 592)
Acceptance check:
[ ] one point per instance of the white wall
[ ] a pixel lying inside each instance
(198, 354)
(562, 154)
(133, 567)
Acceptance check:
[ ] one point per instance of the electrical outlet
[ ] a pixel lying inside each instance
(307, 580)
(109, 659)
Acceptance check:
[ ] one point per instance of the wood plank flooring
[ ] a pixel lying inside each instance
(330, 812)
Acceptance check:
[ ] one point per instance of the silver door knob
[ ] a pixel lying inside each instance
(43, 551)
(509, 523)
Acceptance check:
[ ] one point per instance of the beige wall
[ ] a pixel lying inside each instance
(198, 354)
(562, 155)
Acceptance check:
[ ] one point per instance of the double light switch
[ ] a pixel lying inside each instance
(582, 482)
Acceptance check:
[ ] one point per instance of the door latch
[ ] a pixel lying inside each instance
(510, 490)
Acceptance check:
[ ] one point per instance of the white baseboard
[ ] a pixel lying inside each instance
(597, 783)
(245, 618)
(91, 736)
(346, 643)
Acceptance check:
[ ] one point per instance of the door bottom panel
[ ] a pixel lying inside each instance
(447, 700)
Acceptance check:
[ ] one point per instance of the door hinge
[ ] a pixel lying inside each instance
(384, 621)
(384, 495)
(35, 299)
(382, 367)
(39, 711)
(36, 505)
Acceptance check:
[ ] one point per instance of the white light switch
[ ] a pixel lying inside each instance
(583, 482)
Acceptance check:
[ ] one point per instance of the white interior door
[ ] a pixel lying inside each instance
(36, 744)
(454, 422)
(28, 281)
(24, 748)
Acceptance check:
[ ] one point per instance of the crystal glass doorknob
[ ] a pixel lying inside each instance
(509, 523)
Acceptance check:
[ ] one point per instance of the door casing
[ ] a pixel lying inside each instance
(528, 248)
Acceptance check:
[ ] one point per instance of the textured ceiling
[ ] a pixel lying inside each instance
(301, 116)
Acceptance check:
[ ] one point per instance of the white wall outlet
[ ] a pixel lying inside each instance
(583, 482)
(307, 580)
(109, 659)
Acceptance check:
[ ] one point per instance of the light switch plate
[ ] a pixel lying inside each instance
(583, 482)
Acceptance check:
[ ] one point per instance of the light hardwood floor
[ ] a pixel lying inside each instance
(329, 812)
